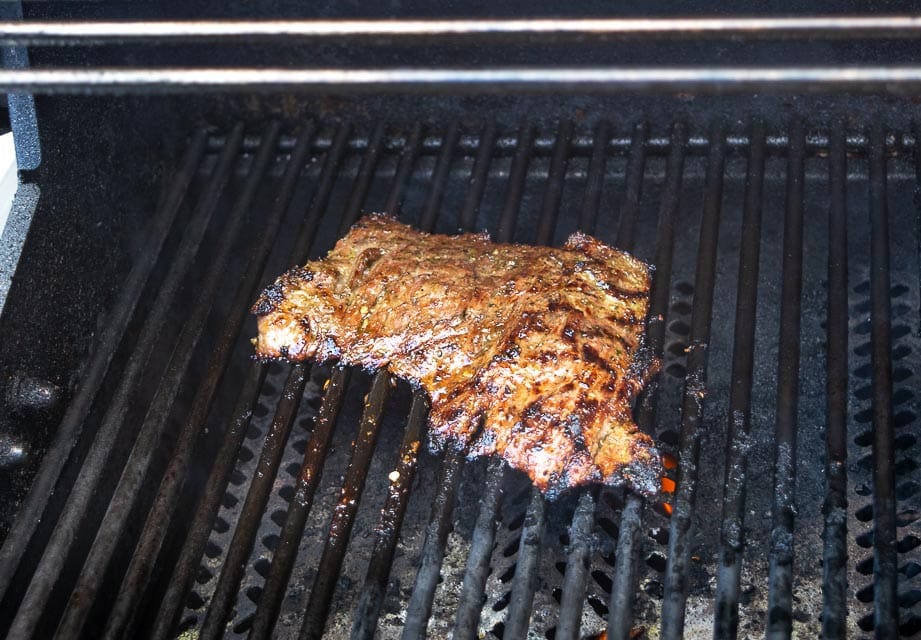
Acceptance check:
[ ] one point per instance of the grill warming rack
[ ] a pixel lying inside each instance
(831, 75)
(842, 356)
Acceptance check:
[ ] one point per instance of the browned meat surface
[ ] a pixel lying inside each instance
(530, 353)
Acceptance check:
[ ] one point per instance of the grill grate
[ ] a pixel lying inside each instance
(266, 489)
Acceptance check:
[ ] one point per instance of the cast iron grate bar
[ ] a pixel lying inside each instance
(388, 529)
(152, 428)
(163, 508)
(58, 552)
(194, 546)
(225, 593)
(524, 583)
(655, 322)
(834, 556)
(33, 510)
(478, 175)
(693, 397)
(620, 608)
(696, 379)
(583, 519)
(594, 182)
(885, 558)
(740, 398)
(276, 582)
(343, 519)
(780, 576)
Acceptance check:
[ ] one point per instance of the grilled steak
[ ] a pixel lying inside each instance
(530, 353)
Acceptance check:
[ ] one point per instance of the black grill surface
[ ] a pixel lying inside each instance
(196, 493)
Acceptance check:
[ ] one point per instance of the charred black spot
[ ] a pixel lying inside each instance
(300, 273)
(270, 299)
(569, 333)
(590, 354)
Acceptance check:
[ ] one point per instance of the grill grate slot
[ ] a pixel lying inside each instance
(298, 526)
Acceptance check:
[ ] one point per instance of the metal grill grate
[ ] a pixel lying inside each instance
(265, 490)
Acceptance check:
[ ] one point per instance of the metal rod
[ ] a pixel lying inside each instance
(420, 604)
(216, 31)
(478, 176)
(620, 610)
(32, 511)
(581, 529)
(885, 556)
(363, 179)
(340, 527)
(188, 562)
(636, 167)
(467, 618)
(623, 583)
(404, 170)
(518, 617)
(153, 533)
(436, 535)
(439, 178)
(517, 177)
(887, 79)
(111, 529)
(276, 583)
(834, 555)
(780, 575)
(578, 556)
(555, 179)
(388, 528)
(58, 551)
(194, 546)
(225, 591)
(594, 183)
(679, 542)
(729, 569)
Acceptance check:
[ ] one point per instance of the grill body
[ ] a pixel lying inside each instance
(180, 488)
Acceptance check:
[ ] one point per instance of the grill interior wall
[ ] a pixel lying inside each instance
(499, 198)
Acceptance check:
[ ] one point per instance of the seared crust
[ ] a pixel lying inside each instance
(531, 353)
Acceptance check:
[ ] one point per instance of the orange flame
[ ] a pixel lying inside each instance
(668, 508)
(669, 461)
(668, 485)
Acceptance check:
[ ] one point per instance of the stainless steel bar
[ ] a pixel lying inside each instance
(729, 570)
(835, 552)
(885, 556)
(194, 545)
(166, 31)
(174, 478)
(32, 511)
(58, 551)
(111, 530)
(887, 79)
(780, 576)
